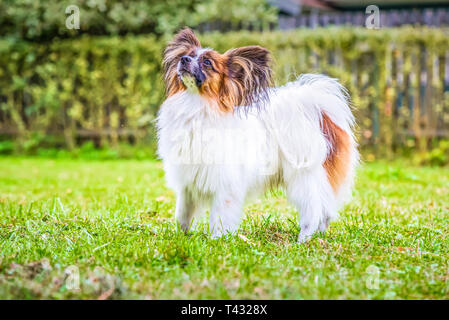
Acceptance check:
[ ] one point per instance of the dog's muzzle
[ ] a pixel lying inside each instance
(188, 66)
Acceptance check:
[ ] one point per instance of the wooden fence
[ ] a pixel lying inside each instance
(436, 17)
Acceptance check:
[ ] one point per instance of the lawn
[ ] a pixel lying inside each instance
(105, 229)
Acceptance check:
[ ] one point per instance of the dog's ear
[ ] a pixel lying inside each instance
(185, 38)
(249, 69)
(184, 43)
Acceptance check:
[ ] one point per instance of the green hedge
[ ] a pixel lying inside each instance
(40, 20)
(109, 89)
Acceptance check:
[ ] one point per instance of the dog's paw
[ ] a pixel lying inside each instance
(216, 234)
(324, 224)
(304, 237)
(220, 233)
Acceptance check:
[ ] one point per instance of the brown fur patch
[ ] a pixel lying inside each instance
(337, 161)
(215, 80)
(238, 77)
(249, 75)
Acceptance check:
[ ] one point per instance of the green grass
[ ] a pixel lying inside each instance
(111, 223)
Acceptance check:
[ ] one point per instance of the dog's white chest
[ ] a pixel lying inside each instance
(206, 150)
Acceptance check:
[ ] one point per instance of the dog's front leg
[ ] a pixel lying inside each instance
(185, 209)
(225, 215)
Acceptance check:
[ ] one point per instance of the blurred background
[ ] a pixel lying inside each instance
(93, 90)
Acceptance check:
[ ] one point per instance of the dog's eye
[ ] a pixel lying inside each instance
(207, 62)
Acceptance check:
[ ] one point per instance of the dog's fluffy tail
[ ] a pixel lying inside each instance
(329, 97)
(331, 101)
(317, 127)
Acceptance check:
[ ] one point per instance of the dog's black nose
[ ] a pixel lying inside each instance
(199, 77)
(185, 60)
(199, 80)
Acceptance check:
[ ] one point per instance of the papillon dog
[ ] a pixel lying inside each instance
(225, 135)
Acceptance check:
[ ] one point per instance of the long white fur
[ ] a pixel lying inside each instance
(217, 159)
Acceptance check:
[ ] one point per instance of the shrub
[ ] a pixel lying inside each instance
(108, 89)
(41, 20)
(437, 156)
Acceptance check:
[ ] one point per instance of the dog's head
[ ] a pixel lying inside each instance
(239, 77)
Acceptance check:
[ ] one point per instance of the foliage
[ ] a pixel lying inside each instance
(236, 13)
(46, 19)
(437, 156)
(113, 222)
(108, 89)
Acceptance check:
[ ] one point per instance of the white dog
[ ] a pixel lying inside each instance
(225, 134)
